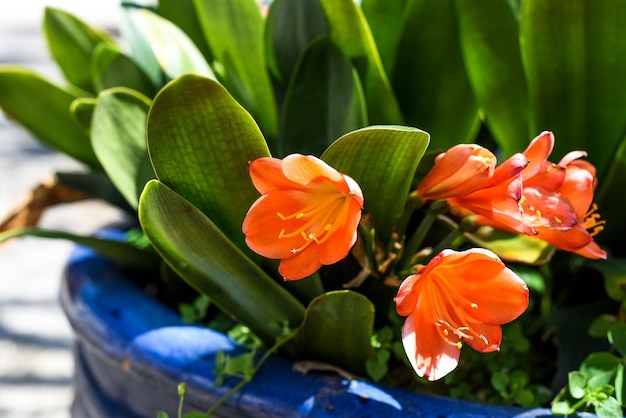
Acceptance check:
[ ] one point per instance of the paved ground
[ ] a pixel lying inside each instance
(35, 338)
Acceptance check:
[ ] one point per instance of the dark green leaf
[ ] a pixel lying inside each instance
(376, 365)
(291, 27)
(490, 42)
(72, 43)
(111, 68)
(430, 80)
(201, 141)
(382, 160)
(617, 337)
(202, 255)
(350, 31)
(614, 273)
(323, 102)
(234, 32)
(44, 109)
(575, 57)
(118, 135)
(96, 185)
(610, 201)
(337, 329)
(600, 326)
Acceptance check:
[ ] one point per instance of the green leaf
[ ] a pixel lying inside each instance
(200, 141)
(96, 185)
(162, 414)
(614, 274)
(513, 247)
(323, 102)
(576, 384)
(202, 255)
(609, 408)
(617, 337)
(81, 110)
(609, 198)
(350, 31)
(500, 382)
(383, 17)
(574, 55)
(174, 51)
(111, 68)
(119, 251)
(489, 33)
(376, 365)
(118, 135)
(382, 160)
(599, 368)
(72, 43)
(44, 109)
(337, 329)
(430, 80)
(600, 326)
(290, 28)
(234, 31)
(183, 14)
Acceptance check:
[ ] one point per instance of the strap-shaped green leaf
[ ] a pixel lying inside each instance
(118, 135)
(610, 198)
(234, 33)
(111, 68)
(72, 42)
(44, 109)
(349, 30)
(490, 40)
(200, 141)
(382, 160)
(291, 26)
(430, 79)
(324, 101)
(82, 109)
(122, 252)
(513, 247)
(183, 14)
(201, 254)
(337, 329)
(575, 59)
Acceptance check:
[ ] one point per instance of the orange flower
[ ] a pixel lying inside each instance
(558, 199)
(458, 297)
(307, 216)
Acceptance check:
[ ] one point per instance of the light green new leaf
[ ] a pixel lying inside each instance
(201, 254)
(122, 252)
(430, 80)
(337, 329)
(200, 142)
(350, 31)
(234, 32)
(384, 18)
(323, 102)
(118, 136)
(173, 50)
(111, 68)
(382, 160)
(291, 26)
(489, 32)
(575, 59)
(513, 247)
(72, 42)
(44, 109)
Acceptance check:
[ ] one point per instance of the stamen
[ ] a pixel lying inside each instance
(474, 305)
(592, 221)
(538, 216)
(484, 339)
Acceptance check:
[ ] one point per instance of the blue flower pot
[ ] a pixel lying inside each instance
(131, 352)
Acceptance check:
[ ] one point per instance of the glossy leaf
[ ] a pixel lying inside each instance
(82, 111)
(350, 31)
(323, 102)
(290, 28)
(200, 253)
(44, 109)
(118, 135)
(337, 329)
(234, 32)
(490, 43)
(382, 160)
(384, 18)
(72, 43)
(610, 201)
(430, 80)
(173, 50)
(200, 141)
(575, 59)
(111, 68)
(119, 251)
(513, 247)
(183, 14)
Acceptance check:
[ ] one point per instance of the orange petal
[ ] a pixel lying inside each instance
(267, 175)
(301, 265)
(538, 152)
(303, 169)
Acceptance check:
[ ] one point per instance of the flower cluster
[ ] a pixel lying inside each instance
(308, 216)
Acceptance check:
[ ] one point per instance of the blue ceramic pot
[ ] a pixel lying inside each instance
(132, 351)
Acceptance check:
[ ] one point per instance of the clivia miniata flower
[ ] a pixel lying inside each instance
(458, 297)
(307, 216)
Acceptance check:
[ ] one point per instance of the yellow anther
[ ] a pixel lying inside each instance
(522, 200)
(445, 332)
(474, 306)
(459, 345)
(538, 215)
